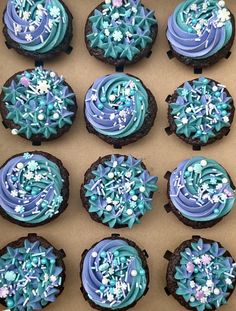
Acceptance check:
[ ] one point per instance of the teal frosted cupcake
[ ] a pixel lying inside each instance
(118, 190)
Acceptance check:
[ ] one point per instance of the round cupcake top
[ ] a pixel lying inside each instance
(201, 190)
(31, 188)
(199, 28)
(37, 26)
(205, 275)
(39, 103)
(31, 276)
(120, 190)
(121, 29)
(113, 275)
(201, 108)
(116, 105)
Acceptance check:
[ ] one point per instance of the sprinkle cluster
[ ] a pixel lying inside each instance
(115, 276)
(31, 188)
(39, 103)
(200, 16)
(116, 105)
(30, 277)
(202, 109)
(121, 191)
(205, 276)
(122, 28)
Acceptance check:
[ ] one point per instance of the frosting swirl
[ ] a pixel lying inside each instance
(205, 275)
(201, 109)
(198, 28)
(121, 29)
(37, 26)
(116, 105)
(30, 276)
(113, 275)
(200, 190)
(30, 188)
(120, 191)
(39, 102)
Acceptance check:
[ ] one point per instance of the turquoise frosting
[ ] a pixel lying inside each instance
(205, 275)
(113, 274)
(39, 102)
(37, 26)
(116, 105)
(120, 191)
(30, 276)
(121, 29)
(30, 188)
(202, 109)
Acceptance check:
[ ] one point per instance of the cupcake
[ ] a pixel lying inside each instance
(38, 105)
(200, 192)
(200, 274)
(39, 29)
(34, 188)
(32, 273)
(114, 274)
(120, 32)
(119, 109)
(118, 190)
(200, 112)
(200, 32)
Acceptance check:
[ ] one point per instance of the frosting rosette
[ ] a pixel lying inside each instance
(31, 188)
(121, 30)
(201, 111)
(32, 274)
(116, 105)
(36, 26)
(198, 29)
(118, 190)
(38, 104)
(205, 275)
(201, 190)
(114, 274)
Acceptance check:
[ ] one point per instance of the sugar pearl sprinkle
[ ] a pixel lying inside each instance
(120, 191)
(209, 273)
(201, 109)
(29, 275)
(117, 269)
(195, 16)
(201, 189)
(31, 186)
(39, 103)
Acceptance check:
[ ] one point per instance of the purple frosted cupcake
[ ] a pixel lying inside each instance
(201, 32)
(119, 109)
(39, 29)
(201, 192)
(114, 274)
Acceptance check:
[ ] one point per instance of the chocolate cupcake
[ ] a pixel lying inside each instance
(200, 192)
(201, 274)
(121, 32)
(32, 273)
(119, 109)
(200, 112)
(118, 190)
(38, 105)
(34, 188)
(114, 274)
(200, 33)
(39, 29)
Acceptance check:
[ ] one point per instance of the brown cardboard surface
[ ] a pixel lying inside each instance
(74, 230)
